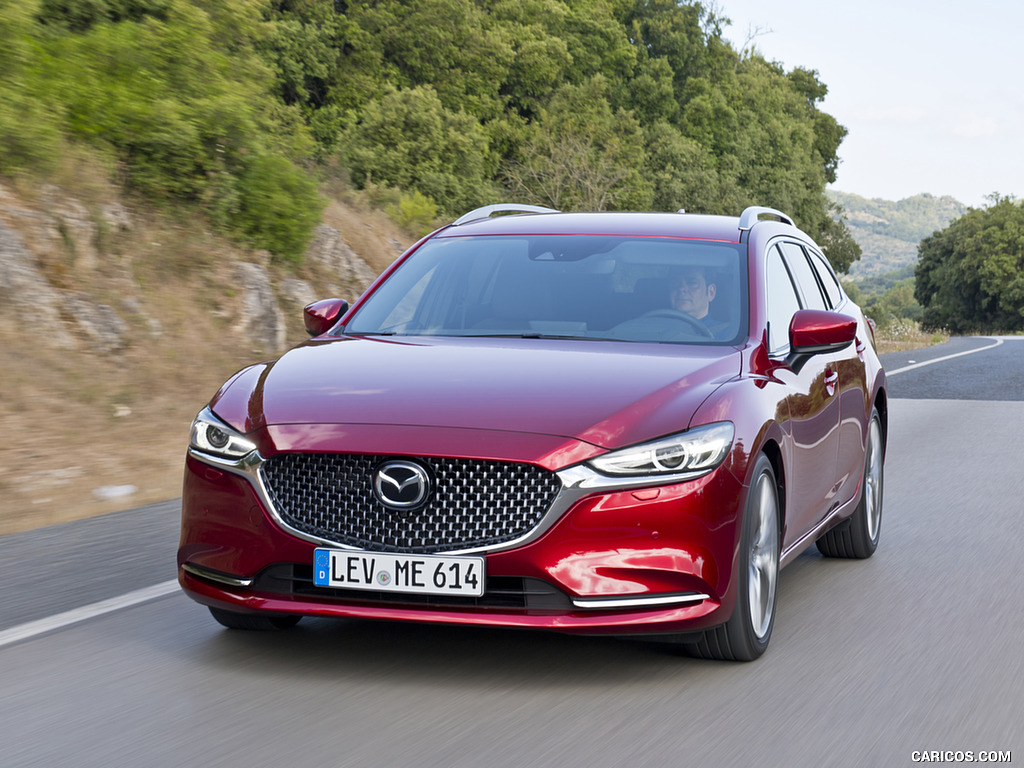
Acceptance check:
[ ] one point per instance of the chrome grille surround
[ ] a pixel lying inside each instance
(475, 504)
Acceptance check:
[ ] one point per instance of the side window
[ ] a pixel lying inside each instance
(804, 275)
(828, 279)
(782, 302)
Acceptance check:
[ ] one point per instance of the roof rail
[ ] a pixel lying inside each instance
(488, 210)
(750, 216)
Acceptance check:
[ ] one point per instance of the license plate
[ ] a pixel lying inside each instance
(387, 572)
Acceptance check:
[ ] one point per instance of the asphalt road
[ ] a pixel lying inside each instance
(917, 649)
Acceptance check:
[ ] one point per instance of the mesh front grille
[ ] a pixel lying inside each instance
(472, 503)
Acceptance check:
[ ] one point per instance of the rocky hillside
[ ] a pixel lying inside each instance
(889, 232)
(117, 324)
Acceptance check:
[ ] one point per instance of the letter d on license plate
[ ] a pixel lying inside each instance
(389, 572)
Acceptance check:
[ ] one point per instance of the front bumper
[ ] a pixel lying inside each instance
(626, 560)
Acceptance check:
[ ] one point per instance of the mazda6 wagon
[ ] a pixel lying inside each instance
(596, 423)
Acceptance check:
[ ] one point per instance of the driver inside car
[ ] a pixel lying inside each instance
(692, 293)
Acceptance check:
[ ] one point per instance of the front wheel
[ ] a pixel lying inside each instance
(858, 536)
(745, 636)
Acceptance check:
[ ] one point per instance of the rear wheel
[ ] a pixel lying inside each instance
(858, 536)
(745, 636)
(254, 621)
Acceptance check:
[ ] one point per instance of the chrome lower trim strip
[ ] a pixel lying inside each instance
(220, 578)
(638, 602)
(577, 482)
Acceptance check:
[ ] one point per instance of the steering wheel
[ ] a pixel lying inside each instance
(676, 314)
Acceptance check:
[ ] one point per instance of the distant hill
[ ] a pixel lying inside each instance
(889, 232)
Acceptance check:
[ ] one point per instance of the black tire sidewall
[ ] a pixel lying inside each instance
(745, 643)
(864, 546)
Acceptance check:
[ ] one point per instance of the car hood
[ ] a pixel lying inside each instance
(607, 394)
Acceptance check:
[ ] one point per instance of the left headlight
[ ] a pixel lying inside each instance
(211, 435)
(697, 450)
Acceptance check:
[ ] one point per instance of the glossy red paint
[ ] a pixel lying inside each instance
(817, 331)
(495, 385)
(658, 621)
(321, 316)
(549, 451)
(556, 404)
(607, 545)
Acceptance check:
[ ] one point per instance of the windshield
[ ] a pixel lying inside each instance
(641, 289)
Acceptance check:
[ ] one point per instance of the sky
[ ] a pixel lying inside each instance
(932, 93)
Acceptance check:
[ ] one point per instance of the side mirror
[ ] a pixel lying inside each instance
(815, 332)
(321, 316)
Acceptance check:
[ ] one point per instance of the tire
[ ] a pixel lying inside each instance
(745, 636)
(858, 536)
(258, 622)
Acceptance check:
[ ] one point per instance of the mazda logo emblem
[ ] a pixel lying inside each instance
(401, 484)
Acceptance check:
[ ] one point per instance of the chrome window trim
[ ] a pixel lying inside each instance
(578, 481)
(826, 266)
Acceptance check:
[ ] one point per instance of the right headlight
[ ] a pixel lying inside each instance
(699, 449)
(211, 435)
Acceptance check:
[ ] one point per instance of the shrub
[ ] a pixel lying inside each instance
(278, 206)
(414, 211)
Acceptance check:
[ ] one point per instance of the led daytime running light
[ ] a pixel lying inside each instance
(211, 435)
(697, 450)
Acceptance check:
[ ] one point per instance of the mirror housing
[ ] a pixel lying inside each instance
(320, 316)
(816, 332)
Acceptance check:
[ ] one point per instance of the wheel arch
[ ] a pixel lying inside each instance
(773, 451)
(881, 404)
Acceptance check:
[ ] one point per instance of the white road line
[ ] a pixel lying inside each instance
(50, 623)
(942, 359)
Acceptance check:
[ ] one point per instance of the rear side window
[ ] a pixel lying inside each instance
(782, 302)
(828, 279)
(805, 277)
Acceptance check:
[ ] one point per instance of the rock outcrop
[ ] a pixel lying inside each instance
(260, 321)
(99, 324)
(58, 234)
(329, 249)
(24, 289)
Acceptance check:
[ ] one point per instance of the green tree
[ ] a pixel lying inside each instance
(970, 276)
(837, 240)
(172, 91)
(277, 207)
(583, 155)
(541, 59)
(80, 15)
(603, 104)
(683, 174)
(670, 31)
(407, 139)
(451, 45)
(895, 304)
(29, 118)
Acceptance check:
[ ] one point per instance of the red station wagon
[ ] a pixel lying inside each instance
(603, 423)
